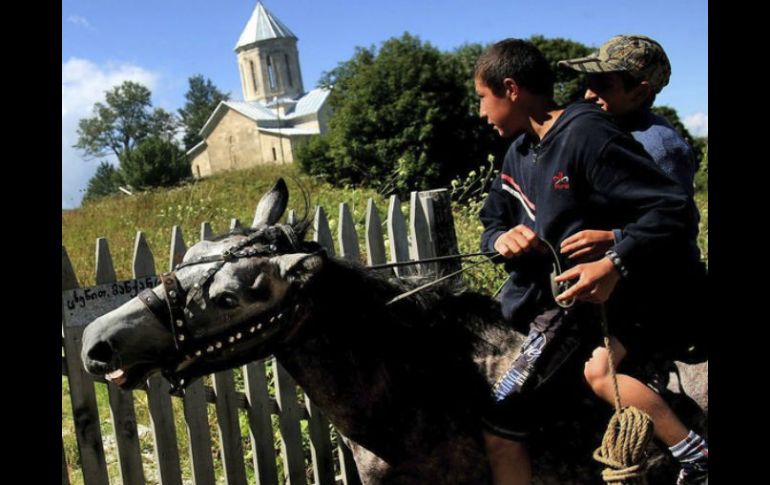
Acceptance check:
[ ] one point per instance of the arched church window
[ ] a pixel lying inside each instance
(271, 73)
(288, 70)
(253, 76)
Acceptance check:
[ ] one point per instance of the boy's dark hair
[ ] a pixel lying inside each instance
(519, 60)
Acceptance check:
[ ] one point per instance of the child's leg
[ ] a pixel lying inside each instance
(509, 460)
(688, 447)
(668, 428)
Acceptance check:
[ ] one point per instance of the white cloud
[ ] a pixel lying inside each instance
(83, 84)
(78, 20)
(697, 124)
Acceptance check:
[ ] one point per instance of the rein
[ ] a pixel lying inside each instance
(556, 288)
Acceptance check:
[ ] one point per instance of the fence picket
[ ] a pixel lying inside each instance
(82, 395)
(260, 423)
(420, 243)
(229, 428)
(121, 402)
(346, 235)
(438, 208)
(194, 401)
(288, 422)
(158, 399)
(206, 232)
(375, 245)
(65, 477)
(323, 235)
(399, 245)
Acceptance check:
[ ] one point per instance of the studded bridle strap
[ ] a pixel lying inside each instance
(157, 306)
(175, 299)
(176, 311)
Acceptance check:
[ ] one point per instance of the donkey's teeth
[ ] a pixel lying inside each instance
(115, 374)
(117, 377)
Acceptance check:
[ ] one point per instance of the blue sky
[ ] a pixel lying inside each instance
(163, 43)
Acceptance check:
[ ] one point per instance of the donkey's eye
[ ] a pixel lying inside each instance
(227, 300)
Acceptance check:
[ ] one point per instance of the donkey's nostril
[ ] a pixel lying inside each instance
(101, 352)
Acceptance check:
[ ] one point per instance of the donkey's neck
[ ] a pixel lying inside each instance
(347, 354)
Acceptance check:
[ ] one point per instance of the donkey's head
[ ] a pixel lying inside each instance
(232, 300)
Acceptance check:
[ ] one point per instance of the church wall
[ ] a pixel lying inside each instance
(201, 167)
(234, 143)
(309, 124)
(271, 148)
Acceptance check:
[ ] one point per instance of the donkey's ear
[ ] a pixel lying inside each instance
(299, 267)
(271, 206)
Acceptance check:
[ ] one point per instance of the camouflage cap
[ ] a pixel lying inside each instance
(638, 55)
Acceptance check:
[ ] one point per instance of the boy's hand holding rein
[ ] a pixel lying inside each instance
(521, 239)
(595, 281)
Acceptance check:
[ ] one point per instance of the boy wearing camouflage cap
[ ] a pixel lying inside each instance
(623, 77)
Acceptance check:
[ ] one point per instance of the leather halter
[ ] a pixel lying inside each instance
(175, 313)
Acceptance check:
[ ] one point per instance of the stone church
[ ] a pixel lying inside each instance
(276, 116)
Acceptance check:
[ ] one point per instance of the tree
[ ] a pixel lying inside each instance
(126, 119)
(155, 162)
(400, 119)
(105, 181)
(202, 98)
(124, 124)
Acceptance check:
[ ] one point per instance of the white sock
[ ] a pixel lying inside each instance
(692, 452)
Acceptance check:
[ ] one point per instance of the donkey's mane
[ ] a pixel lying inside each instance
(367, 291)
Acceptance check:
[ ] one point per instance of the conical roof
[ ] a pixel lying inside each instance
(263, 25)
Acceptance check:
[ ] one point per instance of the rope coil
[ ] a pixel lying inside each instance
(624, 445)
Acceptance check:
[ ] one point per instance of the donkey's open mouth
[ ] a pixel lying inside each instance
(130, 377)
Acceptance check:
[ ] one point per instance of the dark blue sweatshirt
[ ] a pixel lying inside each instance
(585, 174)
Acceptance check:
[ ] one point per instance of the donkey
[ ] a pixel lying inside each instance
(404, 383)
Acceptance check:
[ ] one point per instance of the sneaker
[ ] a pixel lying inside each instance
(693, 476)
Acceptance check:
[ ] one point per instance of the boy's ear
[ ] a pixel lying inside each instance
(511, 88)
(642, 92)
